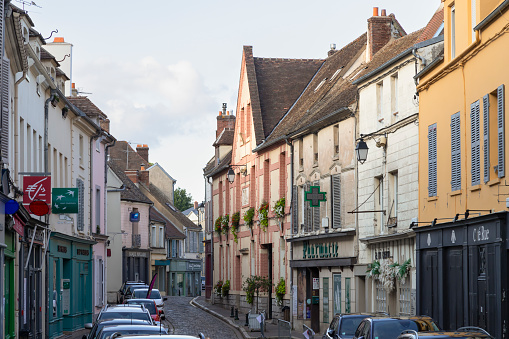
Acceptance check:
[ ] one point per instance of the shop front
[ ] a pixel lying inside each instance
(462, 277)
(183, 276)
(323, 279)
(136, 265)
(70, 285)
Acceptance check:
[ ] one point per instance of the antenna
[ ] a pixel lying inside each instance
(28, 3)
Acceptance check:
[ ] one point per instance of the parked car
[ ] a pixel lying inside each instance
(344, 325)
(469, 332)
(94, 329)
(155, 295)
(124, 311)
(130, 289)
(150, 305)
(108, 331)
(121, 292)
(165, 336)
(391, 327)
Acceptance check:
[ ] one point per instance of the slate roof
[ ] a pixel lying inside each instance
(87, 106)
(433, 25)
(223, 165)
(61, 73)
(189, 210)
(274, 85)
(225, 138)
(170, 229)
(33, 33)
(45, 55)
(118, 153)
(132, 192)
(319, 102)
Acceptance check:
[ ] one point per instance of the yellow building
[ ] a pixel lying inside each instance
(463, 191)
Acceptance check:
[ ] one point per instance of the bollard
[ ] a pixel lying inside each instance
(231, 313)
(247, 319)
(236, 314)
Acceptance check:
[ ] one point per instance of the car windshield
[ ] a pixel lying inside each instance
(349, 325)
(106, 332)
(154, 294)
(392, 328)
(149, 304)
(124, 315)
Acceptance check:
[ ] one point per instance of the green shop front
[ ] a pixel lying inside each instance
(70, 271)
(183, 276)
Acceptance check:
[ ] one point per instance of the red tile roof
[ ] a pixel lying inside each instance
(433, 25)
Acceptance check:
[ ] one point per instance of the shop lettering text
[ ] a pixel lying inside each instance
(481, 234)
(79, 251)
(321, 250)
(62, 249)
(382, 255)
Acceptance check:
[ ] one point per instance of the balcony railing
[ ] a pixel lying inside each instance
(136, 240)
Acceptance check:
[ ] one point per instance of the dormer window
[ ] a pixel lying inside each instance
(38, 52)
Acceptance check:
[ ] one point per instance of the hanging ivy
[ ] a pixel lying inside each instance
(218, 224)
(248, 217)
(235, 225)
(263, 215)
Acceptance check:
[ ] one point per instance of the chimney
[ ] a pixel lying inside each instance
(144, 176)
(196, 205)
(142, 150)
(332, 49)
(379, 32)
(132, 174)
(384, 12)
(58, 40)
(224, 120)
(74, 91)
(105, 125)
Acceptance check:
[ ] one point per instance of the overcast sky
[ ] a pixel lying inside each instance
(161, 69)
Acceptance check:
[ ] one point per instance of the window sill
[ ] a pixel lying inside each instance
(494, 182)
(475, 188)
(430, 199)
(301, 168)
(455, 193)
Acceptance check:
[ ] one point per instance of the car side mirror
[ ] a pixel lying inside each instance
(89, 326)
(165, 298)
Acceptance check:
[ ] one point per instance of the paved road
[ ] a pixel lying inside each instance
(183, 318)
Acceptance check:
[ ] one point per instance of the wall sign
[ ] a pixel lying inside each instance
(36, 188)
(319, 250)
(314, 196)
(65, 200)
(80, 251)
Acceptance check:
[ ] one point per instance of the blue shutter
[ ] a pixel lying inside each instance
(174, 248)
(455, 152)
(475, 143)
(432, 160)
(501, 135)
(486, 136)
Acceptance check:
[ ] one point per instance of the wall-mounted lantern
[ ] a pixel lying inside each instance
(362, 151)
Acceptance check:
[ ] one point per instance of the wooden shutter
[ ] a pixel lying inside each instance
(486, 136)
(455, 152)
(307, 210)
(295, 210)
(501, 134)
(316, 212)
(432, 160)
(200, 242)
(336, 200)
(4, 137)
(475, 143)
(81, 204)
(173, 248)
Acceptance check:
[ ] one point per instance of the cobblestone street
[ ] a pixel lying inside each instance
(183, 318)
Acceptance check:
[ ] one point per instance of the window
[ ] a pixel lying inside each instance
(405, 295)
(266, 180)
(161, 236)
(81, 150)
(336, 200)
(381, 297)
(315, 149)
(432, 160)
(394, 94)
(393, 199)
(301, 154)
(98, 208)
(455, 152)
(453, 32)
(379, 100)
(475, 143)
(336, 140)
(153, 236)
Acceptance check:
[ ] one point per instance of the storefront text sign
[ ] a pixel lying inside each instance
(137, 254)
(80, 251)
(36, 188)
(193, 266)
(65, 200)
(319, 250)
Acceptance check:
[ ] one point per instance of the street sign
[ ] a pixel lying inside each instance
(314, 196)
(65, 200)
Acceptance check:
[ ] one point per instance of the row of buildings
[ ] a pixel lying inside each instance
(389, 159)
(80, 212)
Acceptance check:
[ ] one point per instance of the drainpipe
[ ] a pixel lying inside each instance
(91, 176)
(106, 154)
(16, 124)
(290, 143)
(53, 93)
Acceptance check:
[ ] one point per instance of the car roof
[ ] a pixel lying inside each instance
(154, 289)
(137, 326)
(378, 317)
(124, 308)
(453, 334)
(109, 322)
(135, 300)
(164, 336)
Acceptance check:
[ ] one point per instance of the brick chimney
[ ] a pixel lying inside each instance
(196, 205)
(132, 174)
(105, 125)
(144, 176)
(224, 120)
(380, 29)
(142, 150)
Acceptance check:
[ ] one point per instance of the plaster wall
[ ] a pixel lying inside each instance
(116, 238)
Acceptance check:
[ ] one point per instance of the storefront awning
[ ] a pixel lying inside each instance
(388, 237)
(324, 262)
(335, 234)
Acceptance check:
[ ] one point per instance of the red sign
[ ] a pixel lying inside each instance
(36, 188)
(39, 208)
(18, 226)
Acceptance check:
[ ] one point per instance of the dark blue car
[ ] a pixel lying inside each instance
(391, 327)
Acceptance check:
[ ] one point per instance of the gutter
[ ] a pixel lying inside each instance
(492, 16)
(46, 117)
(92, 138)
(290, 143)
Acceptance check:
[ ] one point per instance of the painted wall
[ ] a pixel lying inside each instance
(116, 238)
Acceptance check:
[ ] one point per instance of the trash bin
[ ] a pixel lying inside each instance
(286, 313)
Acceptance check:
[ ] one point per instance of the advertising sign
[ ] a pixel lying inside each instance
(36, 188)
(64, 200)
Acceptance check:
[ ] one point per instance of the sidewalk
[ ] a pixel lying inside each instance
(271, 330)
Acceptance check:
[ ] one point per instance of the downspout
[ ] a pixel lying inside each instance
(92, 138)
(423, 62)
(106, 154)
(290, 143)
(16, 123)
(46, 117)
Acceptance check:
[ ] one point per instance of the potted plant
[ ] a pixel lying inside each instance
(225, 225)
(217, 226)
(254, 285)
(219, 288)
(225, 289)
(279, 211)
(280, 291)
(235, 225)
(263, 216)
(248, 219)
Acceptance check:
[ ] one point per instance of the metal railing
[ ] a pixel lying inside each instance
(309, 331)
(284, 329)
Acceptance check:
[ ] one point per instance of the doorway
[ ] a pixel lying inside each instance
(313, 298)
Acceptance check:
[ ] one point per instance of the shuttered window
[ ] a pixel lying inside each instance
(295, 210)
(81, 204)
(486, 136)
(307, 210)
(455, 152)
(336, 200)
(4, 127)
(200, 242)
(475, 142)
(432, 160)
(501, 134)
(316, 212)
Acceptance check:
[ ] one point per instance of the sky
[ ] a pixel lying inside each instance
(161, 69)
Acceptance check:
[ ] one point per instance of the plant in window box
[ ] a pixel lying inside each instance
(279, 211)
(225, 290)
(225, 225)
(217, 226)
(235, 225)
(248, 219)
(280, 292)
(219, 287)
(384, 271)
(263, 216)
(403, 270)
(55, 100)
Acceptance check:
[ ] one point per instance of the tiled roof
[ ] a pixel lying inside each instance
(433, 25)
(87, 106)
(118, 153)
(223, 165)
(61, 73)
(210, 165)
(274, 85)
(45, 55)
(171, 230)
(225, 138)
(33, 33)
(326, 93)
(131, 192)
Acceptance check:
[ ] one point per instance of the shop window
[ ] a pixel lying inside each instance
(405, 298)
(380, 297)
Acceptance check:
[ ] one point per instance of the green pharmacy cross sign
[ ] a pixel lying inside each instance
(314, 196)
(64, 200)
